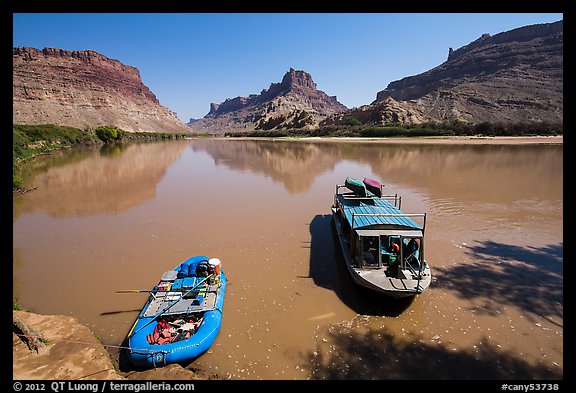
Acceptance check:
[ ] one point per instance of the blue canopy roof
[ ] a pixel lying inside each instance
(374, 207)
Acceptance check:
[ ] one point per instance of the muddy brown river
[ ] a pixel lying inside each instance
(115, 218)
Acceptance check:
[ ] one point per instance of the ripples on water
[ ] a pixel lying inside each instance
(104, 220)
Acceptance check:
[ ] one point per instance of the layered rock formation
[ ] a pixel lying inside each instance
(511, 77)
(84, 89)
(293, 103)
(379, 113)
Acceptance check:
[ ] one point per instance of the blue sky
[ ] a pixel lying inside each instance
(190, 60)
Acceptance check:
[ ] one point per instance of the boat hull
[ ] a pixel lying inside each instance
(145, 355)
(373, 186)
(356, 186)
(375, 279)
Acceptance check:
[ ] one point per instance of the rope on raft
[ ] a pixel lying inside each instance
(89, 344)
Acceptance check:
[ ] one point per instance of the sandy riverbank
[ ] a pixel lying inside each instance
(73, 352)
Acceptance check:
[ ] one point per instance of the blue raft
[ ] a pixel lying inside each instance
(189, 299)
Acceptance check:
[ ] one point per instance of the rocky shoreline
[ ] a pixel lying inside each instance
(72, 352)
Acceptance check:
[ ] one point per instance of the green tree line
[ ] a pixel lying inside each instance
(31, 140)
(352, 128)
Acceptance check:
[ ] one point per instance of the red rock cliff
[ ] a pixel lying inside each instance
(84, 89)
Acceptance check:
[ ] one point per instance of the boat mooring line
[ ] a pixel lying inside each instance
(86, 343)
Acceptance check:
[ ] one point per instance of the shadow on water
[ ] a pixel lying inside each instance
(328, 270)
(528, 278)
(377, 354)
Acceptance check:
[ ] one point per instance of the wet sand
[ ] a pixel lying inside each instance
(494, 310)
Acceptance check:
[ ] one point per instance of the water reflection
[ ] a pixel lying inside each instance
(293, 164)
(263, 208)
(107, 180)
(479, 173)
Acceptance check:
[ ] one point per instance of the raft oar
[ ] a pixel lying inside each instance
(160, 290)
(170, 306)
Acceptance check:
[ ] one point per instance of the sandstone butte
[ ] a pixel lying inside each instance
(514, 77)
(295, 102)
(84, 89)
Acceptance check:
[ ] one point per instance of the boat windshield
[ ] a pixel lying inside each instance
(389, 250)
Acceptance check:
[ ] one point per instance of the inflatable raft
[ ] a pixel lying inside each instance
(182, 316)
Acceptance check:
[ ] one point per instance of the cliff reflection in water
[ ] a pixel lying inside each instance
(293, 164)
(108, 180)
(479, 173)
(263, 208)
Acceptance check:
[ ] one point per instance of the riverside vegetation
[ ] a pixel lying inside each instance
(32, 140)
(354, 128)
(29, 141)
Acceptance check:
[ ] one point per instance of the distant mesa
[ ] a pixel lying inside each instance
(536, 48)
(293, 103)
(84, 89)
(512, 77)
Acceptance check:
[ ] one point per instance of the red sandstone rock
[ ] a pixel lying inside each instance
(84, 89)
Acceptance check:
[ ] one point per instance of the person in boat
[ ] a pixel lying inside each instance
(412, 248)
(395, 248)
(394, 261)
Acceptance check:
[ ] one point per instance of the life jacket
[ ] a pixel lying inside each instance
(161, 334)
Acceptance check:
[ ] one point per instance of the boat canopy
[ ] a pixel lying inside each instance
(389, 232)
(362, 213)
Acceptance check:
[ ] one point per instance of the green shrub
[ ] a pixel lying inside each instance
(108, 134)
(30, 140)
(350, 121)
(50, 133)
(17, 182)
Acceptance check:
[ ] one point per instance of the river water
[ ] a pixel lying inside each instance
(109, 219)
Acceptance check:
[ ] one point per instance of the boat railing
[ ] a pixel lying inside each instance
(412, 270)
